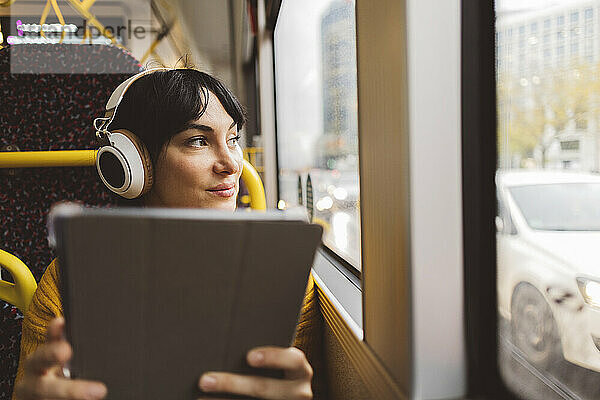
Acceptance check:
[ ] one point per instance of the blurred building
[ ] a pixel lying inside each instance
(527, 43)
(574, 149)
(338, 147)
(532, 47)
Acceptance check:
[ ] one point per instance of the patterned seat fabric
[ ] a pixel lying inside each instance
(47, 111)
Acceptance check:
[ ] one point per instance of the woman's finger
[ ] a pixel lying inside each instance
(55, 330)
(255, 386)
(291, 359)
(47, 356)
(51, 387)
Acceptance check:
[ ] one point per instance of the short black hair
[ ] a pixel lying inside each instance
(159, 105)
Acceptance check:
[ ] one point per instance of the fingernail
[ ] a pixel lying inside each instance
(208, 382)
(256, 357)
(97, 391)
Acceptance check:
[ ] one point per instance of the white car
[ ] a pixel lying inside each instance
(548, 246)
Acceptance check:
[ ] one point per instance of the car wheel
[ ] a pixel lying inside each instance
(534, 329)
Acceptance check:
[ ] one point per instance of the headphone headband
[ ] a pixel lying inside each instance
(101, 124)
(123, 162)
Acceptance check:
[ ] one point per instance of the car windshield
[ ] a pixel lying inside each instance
(560, 207)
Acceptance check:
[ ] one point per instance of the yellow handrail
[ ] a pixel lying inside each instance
(255, 187)
(21, 292)
(59, 158)
(87, 158)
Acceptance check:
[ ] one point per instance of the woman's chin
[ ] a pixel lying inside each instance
(229, 204)
(226, 207)
(214, 202)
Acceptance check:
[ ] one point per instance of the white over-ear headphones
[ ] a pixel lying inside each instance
(123, 163)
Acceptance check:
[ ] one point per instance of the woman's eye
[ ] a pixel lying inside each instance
(234, 140)
(198, 142)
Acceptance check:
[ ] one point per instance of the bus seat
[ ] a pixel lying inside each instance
(51, 110)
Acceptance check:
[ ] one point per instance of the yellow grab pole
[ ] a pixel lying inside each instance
(58, 158)
(255, 187)
(21, 292)
(83, 9)
(45, 15)
(87, 4)
(87, 158)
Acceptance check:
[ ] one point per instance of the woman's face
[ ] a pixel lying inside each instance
(201, 166)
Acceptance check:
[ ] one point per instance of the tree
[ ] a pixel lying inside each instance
(532, 111)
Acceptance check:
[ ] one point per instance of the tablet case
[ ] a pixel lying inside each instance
(193, 292)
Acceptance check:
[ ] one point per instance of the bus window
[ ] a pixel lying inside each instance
(317, 128)
(548, 279)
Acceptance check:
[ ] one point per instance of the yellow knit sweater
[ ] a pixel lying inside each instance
(46, 305)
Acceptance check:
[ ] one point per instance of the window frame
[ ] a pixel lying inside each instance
(479, 195)
(344, 289)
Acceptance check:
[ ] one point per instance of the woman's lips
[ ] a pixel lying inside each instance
(223, 192)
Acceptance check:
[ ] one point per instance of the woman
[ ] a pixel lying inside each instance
(189, 122)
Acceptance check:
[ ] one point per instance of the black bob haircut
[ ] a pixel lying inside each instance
(157, 106)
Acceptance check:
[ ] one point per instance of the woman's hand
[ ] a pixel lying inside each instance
(43, 377)
(296, 384)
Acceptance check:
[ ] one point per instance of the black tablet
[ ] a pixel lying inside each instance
(153, 298)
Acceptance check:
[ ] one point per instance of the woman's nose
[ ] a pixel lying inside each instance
(227, 161)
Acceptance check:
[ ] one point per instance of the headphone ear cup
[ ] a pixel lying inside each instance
(146, 159)
(124, 165)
